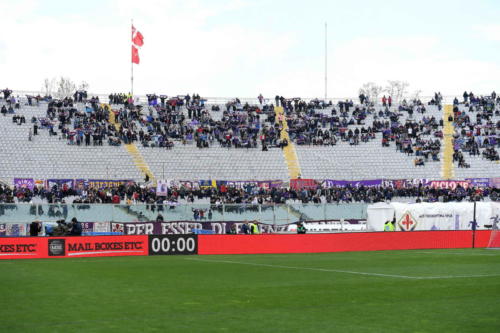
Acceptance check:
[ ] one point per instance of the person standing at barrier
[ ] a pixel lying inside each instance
(473, 225)
(245, 228)
(35, 228)
(300, 228)
(254, 228)
(232, 230)
(389, 225)
(76, 227)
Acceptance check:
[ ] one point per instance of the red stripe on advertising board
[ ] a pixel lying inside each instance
(60, 247)
(104, 246)
(314, 243)
(23, 247)
(101, 246)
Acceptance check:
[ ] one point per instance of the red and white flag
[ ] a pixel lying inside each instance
(135, 55)
(137, 41)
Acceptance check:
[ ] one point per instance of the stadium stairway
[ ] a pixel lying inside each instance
(289, 152)
(139, 161)
(133, 151)
(448, 131)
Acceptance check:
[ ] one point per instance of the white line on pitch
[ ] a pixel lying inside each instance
(344, 271)
(304, 268)
(457, 253)
(455, 276)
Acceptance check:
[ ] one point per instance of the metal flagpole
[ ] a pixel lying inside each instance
(326, 60)
(131, 62)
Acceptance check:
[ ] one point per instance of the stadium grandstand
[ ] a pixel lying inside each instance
(188, 138)
(191, 138)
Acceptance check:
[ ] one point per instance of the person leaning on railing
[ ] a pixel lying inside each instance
(35, 228)
(300, 228)
(62, 229)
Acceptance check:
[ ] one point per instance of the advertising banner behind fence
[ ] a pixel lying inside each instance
(478, 182)
(431, 216)
(13, 229)
(495, 182)
(163, 185)
(64, 184)
(298, 184)
(357, 183)
(404, 183)
(261, 183)
(187, 227)
(28, 183)
(107, 183)
(449, 184)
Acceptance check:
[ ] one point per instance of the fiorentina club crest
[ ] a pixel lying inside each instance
(407, 222)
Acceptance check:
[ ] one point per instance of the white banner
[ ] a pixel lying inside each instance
(431, 216)
(495, 216)
(163, 185)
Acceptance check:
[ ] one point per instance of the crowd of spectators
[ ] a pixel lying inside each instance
(184, 120)
(11, 103)
(84, 125)
(476, 131)
(133, 193)
(159, 124)
(238, 126)
(309, 124)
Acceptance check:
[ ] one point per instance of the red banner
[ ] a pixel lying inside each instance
(104, 246)
(98, 246)
(23, 247)
(449, 184)
(59, 247)
(339, 242)
(298, 184)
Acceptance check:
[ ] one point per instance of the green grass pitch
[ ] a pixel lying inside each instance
(386, 291)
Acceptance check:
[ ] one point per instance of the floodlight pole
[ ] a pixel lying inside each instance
(326, 60)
